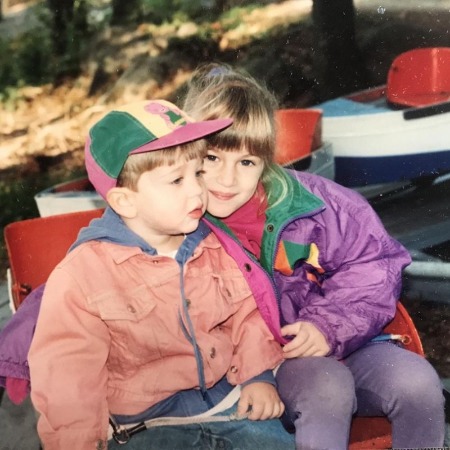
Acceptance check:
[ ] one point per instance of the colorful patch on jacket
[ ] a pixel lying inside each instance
(289, 253)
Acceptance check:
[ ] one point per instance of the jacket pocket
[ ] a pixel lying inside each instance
(132, 305)
(132, 325)
(232, 286)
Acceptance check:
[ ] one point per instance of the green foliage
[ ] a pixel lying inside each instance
(198, 10)
(69, 62)
(31, 64)
(233, 18)
(31, 58)
(126, 11)
(8, 70)
(67, 22)
(34, 57)
(9, 97)
(160, 11)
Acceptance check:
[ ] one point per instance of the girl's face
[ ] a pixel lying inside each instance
(231, 179)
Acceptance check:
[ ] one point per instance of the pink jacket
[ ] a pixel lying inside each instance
(109, 339)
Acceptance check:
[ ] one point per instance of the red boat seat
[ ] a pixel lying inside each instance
(35, 246)
(419, 77)
(375, 432)
(299, 132)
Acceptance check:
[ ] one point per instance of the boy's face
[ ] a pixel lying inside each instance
(170, 200)
(231, 179)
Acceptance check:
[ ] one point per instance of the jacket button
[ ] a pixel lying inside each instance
(247, 267)
(131, 309)
(100, 445)
(188, 302)
(270, 228)
(212, 353)
(233, 369)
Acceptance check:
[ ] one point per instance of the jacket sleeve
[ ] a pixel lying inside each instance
(359, 269)
(67, 362)
(255, 349)
(15, 341)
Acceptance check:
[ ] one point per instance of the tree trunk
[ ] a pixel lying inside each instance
(126, 11)
(69, 27)
(338, 64)
(62, 12)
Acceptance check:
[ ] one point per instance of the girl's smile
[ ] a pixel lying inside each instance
(221, 195)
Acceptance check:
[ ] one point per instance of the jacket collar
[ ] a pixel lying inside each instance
(298, 202)
(111, 228)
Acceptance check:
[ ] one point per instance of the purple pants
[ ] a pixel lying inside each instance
(322, 394)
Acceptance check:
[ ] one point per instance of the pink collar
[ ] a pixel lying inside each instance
(247, 223)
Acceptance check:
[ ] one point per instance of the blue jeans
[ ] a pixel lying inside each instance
(235, 435)
(322, 394)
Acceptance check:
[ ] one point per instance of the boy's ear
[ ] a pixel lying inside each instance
(121, 200)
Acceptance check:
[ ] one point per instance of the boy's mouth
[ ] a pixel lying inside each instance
(196, 213)
(222, 195)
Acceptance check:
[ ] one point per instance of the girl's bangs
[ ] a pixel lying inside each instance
(234, 139)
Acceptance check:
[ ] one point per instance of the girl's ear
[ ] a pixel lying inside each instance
(121, 200)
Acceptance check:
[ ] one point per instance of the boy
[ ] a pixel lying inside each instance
(148, 316)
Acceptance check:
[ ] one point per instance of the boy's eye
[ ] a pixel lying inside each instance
(211, 158)
(199, 173)
(247, 162)
(177, 181)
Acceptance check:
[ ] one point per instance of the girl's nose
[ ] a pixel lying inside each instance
(226, 176)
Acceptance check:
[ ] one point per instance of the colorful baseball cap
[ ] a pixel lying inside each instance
(139, 127)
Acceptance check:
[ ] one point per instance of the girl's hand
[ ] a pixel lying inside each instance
(260, 401)
(308, 341)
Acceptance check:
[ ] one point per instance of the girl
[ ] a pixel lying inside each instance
(337, 271)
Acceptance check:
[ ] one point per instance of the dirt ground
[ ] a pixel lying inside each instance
(44, 133)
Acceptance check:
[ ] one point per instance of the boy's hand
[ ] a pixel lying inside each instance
(308, 341)
(260, 401)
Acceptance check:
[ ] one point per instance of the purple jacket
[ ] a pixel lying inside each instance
(332, 261)
(15, 340)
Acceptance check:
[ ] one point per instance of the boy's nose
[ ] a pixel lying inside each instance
(198, 187)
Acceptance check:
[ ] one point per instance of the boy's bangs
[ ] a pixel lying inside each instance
(186, 152)
(139, 163)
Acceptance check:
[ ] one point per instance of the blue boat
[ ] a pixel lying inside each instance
(396, 132)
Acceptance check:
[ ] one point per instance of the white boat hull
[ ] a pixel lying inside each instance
(374, 144)
(68, 197)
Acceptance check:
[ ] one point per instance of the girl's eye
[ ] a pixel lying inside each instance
(199, 173)
(247, 162)
(211, 158)
(177, 181)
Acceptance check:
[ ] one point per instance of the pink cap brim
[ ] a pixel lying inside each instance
(187, 133)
